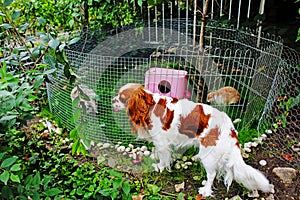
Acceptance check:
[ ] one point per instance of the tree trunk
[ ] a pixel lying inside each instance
(203, 24)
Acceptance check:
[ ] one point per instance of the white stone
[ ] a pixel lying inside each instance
(247, 150)
(254, 144)
(177, 166)
(127, 149)
(106, 145)
(268, 131)
(99, 144)
(238, 120)
(263, 136)
(147, 153)
(263, 162)
(134, 156)
(189, 163)
(121, 149)
(134, 151)
(286, 174)
(144, 148)
(92, 143)
(247, 145)
(179, 187)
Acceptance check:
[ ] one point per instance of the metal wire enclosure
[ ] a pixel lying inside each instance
(232, 59)
(250, 61)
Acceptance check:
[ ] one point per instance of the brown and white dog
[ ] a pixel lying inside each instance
(172, 123)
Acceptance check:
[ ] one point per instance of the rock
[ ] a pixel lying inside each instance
(263, 162)
(286, 174)
(179, 187)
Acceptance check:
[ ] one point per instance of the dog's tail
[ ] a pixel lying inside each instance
(251, 178)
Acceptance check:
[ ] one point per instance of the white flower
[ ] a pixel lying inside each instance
(247, 149)
(130, 146)
(127, 149)
(184, 158)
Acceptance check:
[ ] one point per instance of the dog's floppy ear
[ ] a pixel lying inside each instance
(139, 109)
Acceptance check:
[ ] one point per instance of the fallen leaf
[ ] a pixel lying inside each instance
(138, 197)
(200, 197)
(288, 157)
(179, 187)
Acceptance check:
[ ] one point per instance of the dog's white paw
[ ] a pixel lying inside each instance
(158, 167)
(205, 191)
(272, 189)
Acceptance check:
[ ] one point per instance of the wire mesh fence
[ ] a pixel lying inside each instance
(257, 65)
(281, 116)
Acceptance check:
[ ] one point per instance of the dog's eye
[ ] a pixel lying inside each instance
(123, 100)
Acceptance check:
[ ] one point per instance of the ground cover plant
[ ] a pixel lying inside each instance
(41, 159)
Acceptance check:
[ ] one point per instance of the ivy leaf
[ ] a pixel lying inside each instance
(154, 189)
(75, 146)
(41, 21)
(7, 3)
(14, 178)
(53, 43)
(23, 27)
(126, 188)
(15, 168)
(71, 22)
(5, 26)
(4, 177)
(52, 192)
(140, 3)
(16, 14)
(9, 161)
(50, 60)
(74, 40)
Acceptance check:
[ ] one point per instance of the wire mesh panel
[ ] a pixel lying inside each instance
(281, 114)
(87, 103)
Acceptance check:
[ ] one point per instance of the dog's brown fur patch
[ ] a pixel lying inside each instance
(194, 123)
